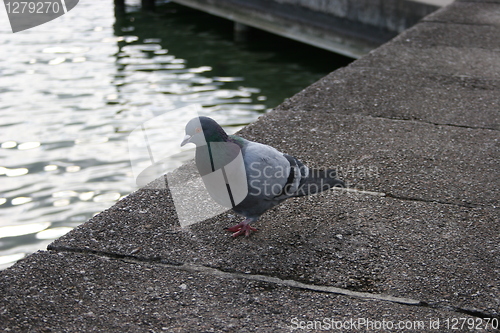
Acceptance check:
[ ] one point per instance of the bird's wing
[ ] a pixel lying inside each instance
(267, 169)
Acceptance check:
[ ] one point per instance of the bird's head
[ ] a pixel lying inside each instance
(201, 130)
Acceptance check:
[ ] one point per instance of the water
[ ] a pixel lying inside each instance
(72, 91)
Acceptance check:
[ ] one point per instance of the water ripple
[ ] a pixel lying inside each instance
(74, 90)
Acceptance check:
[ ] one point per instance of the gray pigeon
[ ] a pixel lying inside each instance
(247, 176)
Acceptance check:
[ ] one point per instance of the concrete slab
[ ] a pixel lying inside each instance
(84, 293)
(406, 159)
(397, 94)
(360, 242)
(444, 60)
(431, 34)
(433, 237)
(351, 28)
(414, 123)
(468, 12)
(446, 43)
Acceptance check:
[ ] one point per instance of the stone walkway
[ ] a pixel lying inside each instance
(415, 244)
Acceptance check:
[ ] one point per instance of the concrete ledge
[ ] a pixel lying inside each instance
(83, 293)
(404, 248)
(351, 28)
(414, 124)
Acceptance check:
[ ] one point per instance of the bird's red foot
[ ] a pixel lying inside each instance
(241, 228)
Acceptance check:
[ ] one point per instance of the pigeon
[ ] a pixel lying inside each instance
(250, 177)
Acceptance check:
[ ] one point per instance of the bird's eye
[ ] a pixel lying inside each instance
(198, 130)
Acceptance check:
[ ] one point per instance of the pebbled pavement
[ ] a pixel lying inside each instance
(414, 125)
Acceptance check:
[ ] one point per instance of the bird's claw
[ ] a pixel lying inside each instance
(240, 229)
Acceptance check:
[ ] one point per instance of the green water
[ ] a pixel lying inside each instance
(73, 90)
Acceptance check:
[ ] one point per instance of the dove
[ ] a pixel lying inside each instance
(248, 176)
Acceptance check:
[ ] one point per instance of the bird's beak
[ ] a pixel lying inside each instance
(186, 139)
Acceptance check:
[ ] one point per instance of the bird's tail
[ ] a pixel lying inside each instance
(318, 180)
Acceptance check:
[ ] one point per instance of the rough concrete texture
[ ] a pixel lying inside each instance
(97, 294)
(404, 248)
(393, 15)
(414, 125)
(397, 94)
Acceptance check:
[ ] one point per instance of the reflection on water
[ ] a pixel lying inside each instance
(73, 89)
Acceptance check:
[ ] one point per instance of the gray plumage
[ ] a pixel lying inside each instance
(271, 176)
